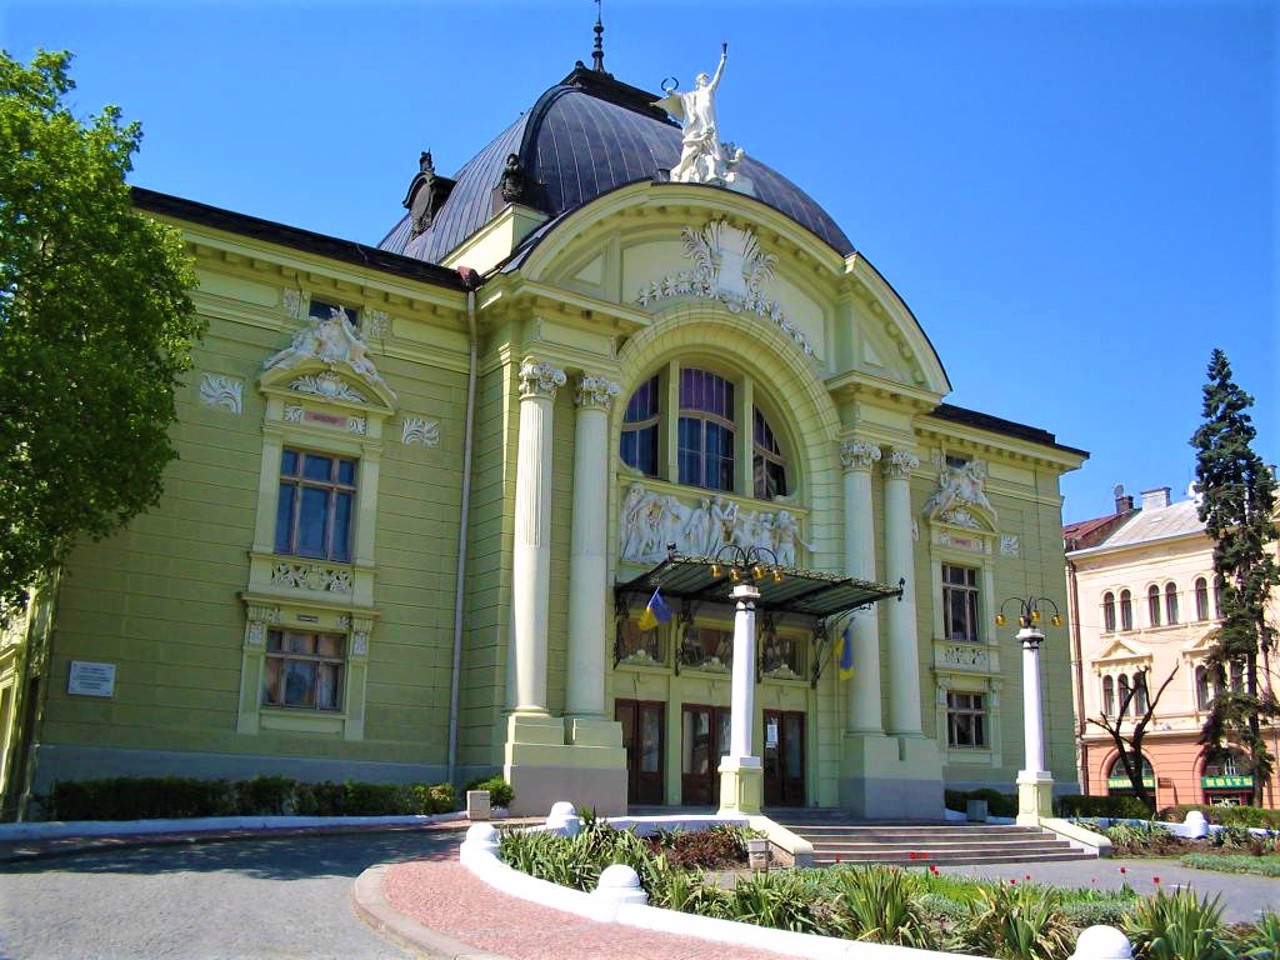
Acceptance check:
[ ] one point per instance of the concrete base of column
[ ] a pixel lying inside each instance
(891, 778)
(1035, 797)
(549, 759)
(741, 786)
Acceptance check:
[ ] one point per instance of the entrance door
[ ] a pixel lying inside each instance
(643, 737)
(704, 739)
(783, 759)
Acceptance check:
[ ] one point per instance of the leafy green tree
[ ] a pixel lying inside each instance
(1237, 505)
(96, 326)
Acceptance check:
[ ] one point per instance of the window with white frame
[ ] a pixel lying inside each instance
(1109, 612)
(1108, 696)
(1126, 610)
(1153, 605)
(960, 603)
(1139, 693)
(1202, 599)
(316, 505)
(1204, 687)
(966, 719)
(1171, 603)
(640, 423)
(303, 670)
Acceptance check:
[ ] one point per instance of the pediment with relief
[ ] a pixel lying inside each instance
(1118, 651)
(328, 360)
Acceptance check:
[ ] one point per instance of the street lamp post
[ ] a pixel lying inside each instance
(741, 772)
(1035, 783)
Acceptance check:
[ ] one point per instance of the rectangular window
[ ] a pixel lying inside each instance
(316, 506)
(960, 603)
(632, 641)
(303, 670)
(966, 720)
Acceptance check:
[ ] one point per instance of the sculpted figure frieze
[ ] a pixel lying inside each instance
(334, 342)
(961, 497)
(648, 521)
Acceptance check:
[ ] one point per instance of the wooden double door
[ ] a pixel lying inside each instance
(644, 737)
(783, 756)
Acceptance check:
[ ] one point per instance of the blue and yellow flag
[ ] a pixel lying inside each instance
(844, 652)
(655, 612)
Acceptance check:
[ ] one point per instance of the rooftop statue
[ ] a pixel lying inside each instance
(703, 157)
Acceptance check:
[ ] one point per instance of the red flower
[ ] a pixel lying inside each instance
(1013, 883)
(1124, 870)
(1157, 880)
(933, 869)
(1027, 877)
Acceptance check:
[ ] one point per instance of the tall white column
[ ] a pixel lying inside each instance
(864, 708)
(743, 692)
(531, 560)
(899, 563)
(1032, 715)
(588, 590)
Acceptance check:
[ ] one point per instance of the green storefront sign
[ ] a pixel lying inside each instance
(1227, 783)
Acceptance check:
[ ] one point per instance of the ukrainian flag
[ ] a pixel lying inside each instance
(844, 651)
(655, 612)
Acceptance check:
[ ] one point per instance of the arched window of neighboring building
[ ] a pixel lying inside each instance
(640, 427)
(1126, 701)
(1204, 687)
(1171, 603)
(1237, 676)
(1202, 598)
(1153, 605)
(1217, 598)
(1118, 782)
(1108, 696)
(1140, 693)
(1109, 612)
(1126, 610)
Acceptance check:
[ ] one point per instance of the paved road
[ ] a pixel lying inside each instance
(269, 898)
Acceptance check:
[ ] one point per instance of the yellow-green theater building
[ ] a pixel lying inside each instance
(426, 492)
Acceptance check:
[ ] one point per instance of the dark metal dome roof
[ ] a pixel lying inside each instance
(584, 137)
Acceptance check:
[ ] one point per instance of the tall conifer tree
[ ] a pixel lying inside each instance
(1237, 504)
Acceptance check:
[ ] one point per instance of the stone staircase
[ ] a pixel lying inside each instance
(840, 840)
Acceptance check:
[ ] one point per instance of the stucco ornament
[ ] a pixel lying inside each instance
(217, 390)
(596, 392)
(420, 430)
(648, 521)
(329, 386)
(961, 497)
(334, 342)
(540, 379)
(856, 455)
(729, 266)
(704, 158)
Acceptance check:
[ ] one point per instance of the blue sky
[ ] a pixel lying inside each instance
(1076, 199)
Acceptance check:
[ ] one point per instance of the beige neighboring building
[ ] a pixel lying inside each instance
(1141, 588)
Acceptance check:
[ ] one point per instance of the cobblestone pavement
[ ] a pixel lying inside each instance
(264, 897)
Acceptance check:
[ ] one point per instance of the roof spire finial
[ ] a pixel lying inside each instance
(597, 53)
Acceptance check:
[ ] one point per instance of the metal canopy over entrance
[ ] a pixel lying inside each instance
(783, 590)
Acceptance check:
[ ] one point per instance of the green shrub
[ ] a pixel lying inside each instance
(265, 796)
(1115, 808)
(1261, 941)
(1230, 816)
(1237, 863)
(1142, 839)
(1177, 926)
(139, 798)
(500, 792)
(880, 904)
(998, 804)
(781, 900)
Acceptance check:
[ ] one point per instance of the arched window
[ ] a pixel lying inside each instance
(1126, 610)
(1153, 605)
(639, 445)
(1202, 598)
(1109, 612)
(1171, 603)
(1217, 598)
(1118, 782)
(768, 469)
(1204, 688)
(1126, 701)
(706, 439)
(1139, 693)
(1108, 696)
(1237, 676)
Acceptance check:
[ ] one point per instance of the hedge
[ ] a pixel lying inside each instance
(1116, 808)
(998, 804)
(150, 798)
(1228, 816)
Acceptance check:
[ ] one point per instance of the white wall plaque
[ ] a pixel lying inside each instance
(92, 679)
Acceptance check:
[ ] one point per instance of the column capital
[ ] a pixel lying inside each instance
(857, 455)
(900, 464)
(595, 393)
(539, 379)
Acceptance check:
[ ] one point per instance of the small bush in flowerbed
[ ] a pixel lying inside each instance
(1143, 839)
(500, 792)
(998, 804)
(721, 847)
(1238, 863)
(1234, 815)
(150, 798)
